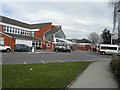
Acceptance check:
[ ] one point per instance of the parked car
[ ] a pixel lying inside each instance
(5, 48)
(22, 47)
(62, 47)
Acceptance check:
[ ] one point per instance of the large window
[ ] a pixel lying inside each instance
(16, 30)
(119, 48)
(4, 28)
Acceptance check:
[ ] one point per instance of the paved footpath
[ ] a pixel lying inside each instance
(97, 75)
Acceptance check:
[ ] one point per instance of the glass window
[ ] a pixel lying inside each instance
(21, 31)
(109, 48)
(15, 31)
(18, 31)
(7, 30)
(119, 48)
(10, 30)
(32, 33)
(4, 28)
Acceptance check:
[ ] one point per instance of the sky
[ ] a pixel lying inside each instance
(78, 19)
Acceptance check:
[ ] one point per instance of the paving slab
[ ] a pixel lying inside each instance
(97, 75)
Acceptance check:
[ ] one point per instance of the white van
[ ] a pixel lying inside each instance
(109, 49)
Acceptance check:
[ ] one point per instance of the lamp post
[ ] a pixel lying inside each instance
(119, 25)
(112, 38)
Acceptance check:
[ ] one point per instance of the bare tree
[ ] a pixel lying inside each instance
(94, 37)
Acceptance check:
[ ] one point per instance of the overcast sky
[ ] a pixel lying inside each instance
(78, 19)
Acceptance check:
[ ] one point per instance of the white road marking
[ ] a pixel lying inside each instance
(42, 61)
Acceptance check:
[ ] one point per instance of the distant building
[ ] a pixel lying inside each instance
(16, 32)
(82, 44)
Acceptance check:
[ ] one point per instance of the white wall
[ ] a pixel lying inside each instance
(1, 40)
(27, 42)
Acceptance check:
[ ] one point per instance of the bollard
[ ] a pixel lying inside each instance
(33, 50)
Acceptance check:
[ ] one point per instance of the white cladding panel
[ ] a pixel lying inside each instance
(1, 40)
(27, 42)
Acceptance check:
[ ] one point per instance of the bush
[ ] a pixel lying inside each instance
(115, 64)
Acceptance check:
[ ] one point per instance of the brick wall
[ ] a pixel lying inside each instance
(84, 47)
(42, 30)
(8, 41)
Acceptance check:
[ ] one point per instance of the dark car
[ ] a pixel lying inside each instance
(22, 48)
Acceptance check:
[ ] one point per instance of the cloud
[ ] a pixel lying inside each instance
(78, 19)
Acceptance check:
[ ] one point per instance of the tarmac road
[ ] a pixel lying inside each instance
(49, 57)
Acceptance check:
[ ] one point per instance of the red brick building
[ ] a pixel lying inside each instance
(16, 32)
(82, 44)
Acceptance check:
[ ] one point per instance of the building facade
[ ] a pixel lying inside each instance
(15, 32)
(82, 44)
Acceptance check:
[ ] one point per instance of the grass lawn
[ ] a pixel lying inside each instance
(52, 75)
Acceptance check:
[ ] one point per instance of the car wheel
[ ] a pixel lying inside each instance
(8, 50)
(56, 50)
(68, 50)
(20, 50)
(103, 53)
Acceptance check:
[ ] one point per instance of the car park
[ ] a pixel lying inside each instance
(5, 48)
(22, 48)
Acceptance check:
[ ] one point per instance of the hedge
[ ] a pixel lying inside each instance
(115, 64)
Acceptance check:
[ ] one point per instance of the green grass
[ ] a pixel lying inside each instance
(52, 75)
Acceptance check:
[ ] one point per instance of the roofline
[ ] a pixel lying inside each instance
(62, 31)
(20, 22)
(6, 35)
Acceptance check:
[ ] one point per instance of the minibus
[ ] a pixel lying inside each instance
(109, 49)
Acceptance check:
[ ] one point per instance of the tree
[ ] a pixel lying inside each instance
(94, 37)
(106, 36)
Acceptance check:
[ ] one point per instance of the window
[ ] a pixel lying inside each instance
(103, 47)
(10, 29)
(109, 48)
(4, 28)
(119, 48)
(15, 31)
(7, 30)
(23, 32)
(32, 33)
(18, 31)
